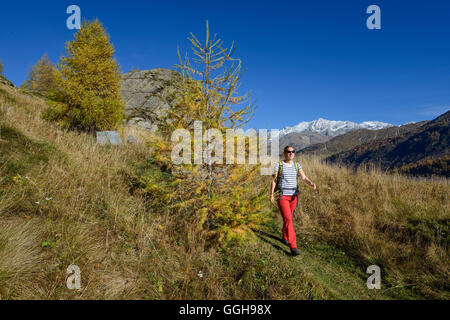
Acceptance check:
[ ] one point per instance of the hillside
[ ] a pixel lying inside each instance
(301, 140)
(5, 81)
(352, 139)
(318, 132)
(416, 151)
(66, 200)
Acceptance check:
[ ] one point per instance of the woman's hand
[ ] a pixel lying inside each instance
(314, 186)
(272, 199)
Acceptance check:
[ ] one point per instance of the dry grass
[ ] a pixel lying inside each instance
(19, 258)
(397, 223)
(95, 218)
(89, 207)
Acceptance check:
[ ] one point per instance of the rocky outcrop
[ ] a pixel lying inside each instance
(148, 95)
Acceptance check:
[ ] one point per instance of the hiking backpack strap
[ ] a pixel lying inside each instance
(296, 192)
(280, 171)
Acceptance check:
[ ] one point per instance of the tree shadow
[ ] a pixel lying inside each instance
(261, 234)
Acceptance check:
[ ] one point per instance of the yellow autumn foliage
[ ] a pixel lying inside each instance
(89, 82)
(42, 77)
(220, 201)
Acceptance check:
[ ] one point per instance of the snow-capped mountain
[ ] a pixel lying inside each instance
(410, 122)
(331, 128)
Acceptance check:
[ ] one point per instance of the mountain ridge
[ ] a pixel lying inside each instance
(423, 147)
(353, 138)
(332, 128)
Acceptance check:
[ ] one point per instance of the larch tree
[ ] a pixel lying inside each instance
(90, 80)
(42, 77)
(223, 200)
(218, 74)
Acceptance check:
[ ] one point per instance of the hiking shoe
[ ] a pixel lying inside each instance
(295, 252)
(284, 241)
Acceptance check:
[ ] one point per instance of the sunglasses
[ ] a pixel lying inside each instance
(293, 151)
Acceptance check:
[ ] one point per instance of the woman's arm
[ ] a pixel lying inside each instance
(306, 179)
(272, 187)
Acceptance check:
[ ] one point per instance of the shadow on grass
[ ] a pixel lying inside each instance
(261, 234)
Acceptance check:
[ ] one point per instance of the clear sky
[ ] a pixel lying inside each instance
(304, 59)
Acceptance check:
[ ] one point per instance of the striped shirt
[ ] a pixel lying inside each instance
(288, 178)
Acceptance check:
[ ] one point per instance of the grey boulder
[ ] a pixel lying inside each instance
(108, 137)
(148, 95)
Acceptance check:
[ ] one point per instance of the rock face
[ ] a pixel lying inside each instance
(148, 95)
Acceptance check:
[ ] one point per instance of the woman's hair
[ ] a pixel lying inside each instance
(287, 147)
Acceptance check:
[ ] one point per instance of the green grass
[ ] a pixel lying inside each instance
(330, 268)
(19, 154)
(338, 273)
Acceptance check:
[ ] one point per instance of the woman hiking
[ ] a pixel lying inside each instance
(287, 201)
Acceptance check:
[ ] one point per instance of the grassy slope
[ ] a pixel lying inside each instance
(98, 219)
(410, 149)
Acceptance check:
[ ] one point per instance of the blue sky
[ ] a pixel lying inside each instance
(304, 59)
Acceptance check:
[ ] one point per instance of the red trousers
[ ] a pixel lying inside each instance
(287, 205)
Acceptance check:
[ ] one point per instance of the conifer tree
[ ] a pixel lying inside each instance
(1, 68)
(42, 77)
(225, 201)
(90, 80)
(218, 73)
